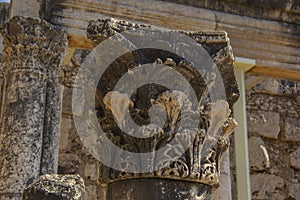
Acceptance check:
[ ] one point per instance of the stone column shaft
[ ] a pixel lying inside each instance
(50, 147)
(29, 133)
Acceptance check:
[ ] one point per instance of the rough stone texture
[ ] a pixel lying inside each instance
(293, 191)
(258, 159)
(56, 187)
(187, 168)
(31, 105)
(264, 9)
(280, 97)
(261, 35)
(264, 123)
(278, 87)
(265, 35)
(30, 8)
(233, 169)
(66, 126)
(295, 159)
(216, 43)
(4, 13)
(149, 189)
(91, 192)
(73, 157)
(292, 129)
(286, 105)
(91, 171)
(266, 186)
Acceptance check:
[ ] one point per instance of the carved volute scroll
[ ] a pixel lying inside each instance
(200, 162)
(34, 52)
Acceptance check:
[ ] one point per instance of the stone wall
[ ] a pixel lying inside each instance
(73, 156)
(273, 112)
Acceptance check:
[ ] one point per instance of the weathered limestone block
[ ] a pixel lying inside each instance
(66, 126)
(263, 9)
(56, 187)
(69, 163)
(265, 124)
(91, 170)
(293, 191)
(34, 53)
(266, 186)
(292, 129)
(198, 169)
(91, 192)
(295, 159)
(258, 154)
(30, 8)
(278, 87)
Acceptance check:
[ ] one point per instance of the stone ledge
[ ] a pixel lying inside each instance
(252, 38)
(287, 11)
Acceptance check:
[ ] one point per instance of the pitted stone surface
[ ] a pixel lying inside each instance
(56, 187)
(264, 123)
(286, 11)
(216, 43)
(295, 159)
(293, 191)
(292, 129)
(266, 186)
(34, 52)
(258, 159)
(200, 165)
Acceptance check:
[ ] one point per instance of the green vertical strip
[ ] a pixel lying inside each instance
(241, 139)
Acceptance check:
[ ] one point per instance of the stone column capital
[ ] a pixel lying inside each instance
(210, 75)
(35, 45)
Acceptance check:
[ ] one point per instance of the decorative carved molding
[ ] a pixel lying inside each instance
(109, 27)
(200, 162)
(216, 43)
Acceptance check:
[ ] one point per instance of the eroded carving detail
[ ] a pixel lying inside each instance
(151, 105)
(200, 163)
(109, 27)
